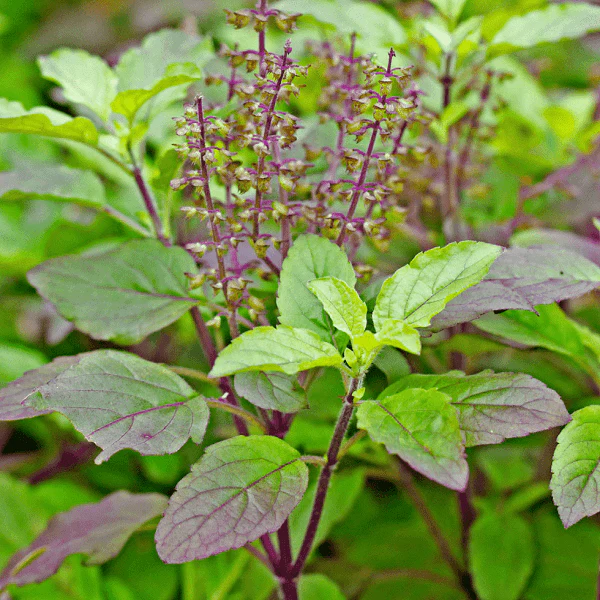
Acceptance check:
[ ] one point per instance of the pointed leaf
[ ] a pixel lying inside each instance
(341, 302)
(587, 247)
(311, 257)
(271, 391)
(118, 400)
(555, 22)
(421, 427)
(280, 348)
(400, 335)
(129, 102)
(96, 530)
(501, 556)
(575, 480)
(449, 8)
(27, 386)
(522, 278)
(421, 289)
(123, 294)
(493, 406)
(240, 489)
(46, 122)
(84, 78)
(52, 182)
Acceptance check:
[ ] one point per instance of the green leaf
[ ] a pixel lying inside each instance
(271, 391)
(129, 102)
(493, 406)
(342, 493)
(341, 302)
(318, 587)
(399, 334)
(555, 22)
(123, 294)
(421, 427)
(310, 257)
(141, 68)
(15, 360)
(449, 8)
(369, 21)
(280, 348)
(420, 290)
(240, 489)
(46, 122)
(84, 78)
(501, 555)
(118, 400)
(52, 182)
(575, 480)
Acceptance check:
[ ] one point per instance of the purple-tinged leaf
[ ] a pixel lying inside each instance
(421, 427)
(563, 239)
(493, 406)
(97, 530)
(118, 400)
(575, 482)
(272, 391)
(240, 489)
(27, 387)
(522, 278)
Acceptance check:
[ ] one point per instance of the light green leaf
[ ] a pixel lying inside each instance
(46, 122)
(16, 359)
(118, 400)
(123, 294)
(342, 303)
(240, 489)
(141, 68)
(399, 335)
(449, 8)
(52, 182)
(421, 427)
(316, 586)
(84, 78)
(493, 406)
(283, 349)
(420, 290)
(129, 102)
(575, 480)
(555, 22)
(501, 556)
(272, 391)
(310, 257)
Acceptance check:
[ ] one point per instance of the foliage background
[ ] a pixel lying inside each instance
(383, 542)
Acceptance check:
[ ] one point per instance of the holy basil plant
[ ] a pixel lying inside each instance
(270, 323)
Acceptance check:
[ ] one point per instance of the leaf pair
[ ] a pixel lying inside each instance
(317, 283)
(115, 399)
(428, 420)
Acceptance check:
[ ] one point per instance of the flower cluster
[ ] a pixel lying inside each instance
(254, 184)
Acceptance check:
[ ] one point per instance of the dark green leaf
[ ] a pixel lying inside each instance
(122, 294)
(501, 555)
(272, 391)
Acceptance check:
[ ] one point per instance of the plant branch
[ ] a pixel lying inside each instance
(325, 477)
(237, 411)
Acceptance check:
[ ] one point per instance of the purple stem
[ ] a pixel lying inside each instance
(150, 206)
(324, 478)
